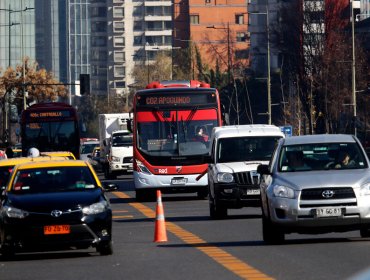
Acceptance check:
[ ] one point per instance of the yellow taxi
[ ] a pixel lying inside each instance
(70, 155)
(7, 165)
(55, 205)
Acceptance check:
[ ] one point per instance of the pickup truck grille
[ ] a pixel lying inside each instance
(127, 159)
(247, 178)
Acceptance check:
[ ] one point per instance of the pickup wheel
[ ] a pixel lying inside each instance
(272, 234)
(216, 211)
(202, 194)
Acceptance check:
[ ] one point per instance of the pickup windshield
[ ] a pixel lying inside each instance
(235, 149)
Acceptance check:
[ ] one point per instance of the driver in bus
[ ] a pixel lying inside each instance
(201, 134)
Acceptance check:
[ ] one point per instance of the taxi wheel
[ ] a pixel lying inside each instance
(105, 249)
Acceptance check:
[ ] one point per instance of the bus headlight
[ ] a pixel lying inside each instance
(142, 168)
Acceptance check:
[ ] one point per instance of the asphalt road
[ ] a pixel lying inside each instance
(197, 248)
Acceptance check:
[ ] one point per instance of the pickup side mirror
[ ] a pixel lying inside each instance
(109, 187)
(263, 169)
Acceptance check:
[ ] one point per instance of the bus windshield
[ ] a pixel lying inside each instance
(50, 136)
(164, 133)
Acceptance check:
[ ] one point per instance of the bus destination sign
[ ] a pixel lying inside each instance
(50, 114)
(174, 100)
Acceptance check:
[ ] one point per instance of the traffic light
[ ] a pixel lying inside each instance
(84, 84)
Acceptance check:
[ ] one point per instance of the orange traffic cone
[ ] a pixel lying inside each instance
(160, 234)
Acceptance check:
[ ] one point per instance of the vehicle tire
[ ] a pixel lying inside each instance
(271, 233)
(7, 252)
(106, 171)
(105, 249)
(365, 232)
(216, 211)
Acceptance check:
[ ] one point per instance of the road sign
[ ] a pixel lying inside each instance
(287, 130)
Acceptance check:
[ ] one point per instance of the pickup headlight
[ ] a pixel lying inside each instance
(115, 159)
(142, 168)
(225, 178)
(95, 208)
(283, 191)
(12, 212)
(365, 189)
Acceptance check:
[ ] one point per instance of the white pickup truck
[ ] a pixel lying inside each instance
(236, 152)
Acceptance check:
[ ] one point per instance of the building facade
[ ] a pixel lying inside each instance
(220, 31)
(17, 29)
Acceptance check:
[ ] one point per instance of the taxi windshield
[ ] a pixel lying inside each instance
(56, 179)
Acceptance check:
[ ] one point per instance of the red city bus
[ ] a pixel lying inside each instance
(168, 152)
(51, 126)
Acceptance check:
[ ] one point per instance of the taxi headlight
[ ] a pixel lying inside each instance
(95, 208)
(142, 168)
(365, 189)
(225, 178)
(12, 212)
(283, 191)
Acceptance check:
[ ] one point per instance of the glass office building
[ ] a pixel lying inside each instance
(17, 31)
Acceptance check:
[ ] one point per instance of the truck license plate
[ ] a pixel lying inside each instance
(179, 181)
(253, 191)
(328, 212)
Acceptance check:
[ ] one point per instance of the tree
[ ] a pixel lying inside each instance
(39, 84)
(26, 84)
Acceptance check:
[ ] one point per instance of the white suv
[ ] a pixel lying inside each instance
(235, 153)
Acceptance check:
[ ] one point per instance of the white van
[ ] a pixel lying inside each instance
(235, 153)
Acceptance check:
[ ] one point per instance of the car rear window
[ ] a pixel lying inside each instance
(56, 179)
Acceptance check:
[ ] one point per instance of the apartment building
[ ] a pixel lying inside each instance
(220, 31)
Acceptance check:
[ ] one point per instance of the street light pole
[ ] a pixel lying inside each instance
(353, 69)
(268, 66)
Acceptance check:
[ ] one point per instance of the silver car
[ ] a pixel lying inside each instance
(315, 184)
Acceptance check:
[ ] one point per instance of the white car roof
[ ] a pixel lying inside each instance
(247, 130)
(319, 138)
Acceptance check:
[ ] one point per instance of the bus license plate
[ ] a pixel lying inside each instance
(253, 191)
(57, 229)
(328, 212)
(179, 181)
